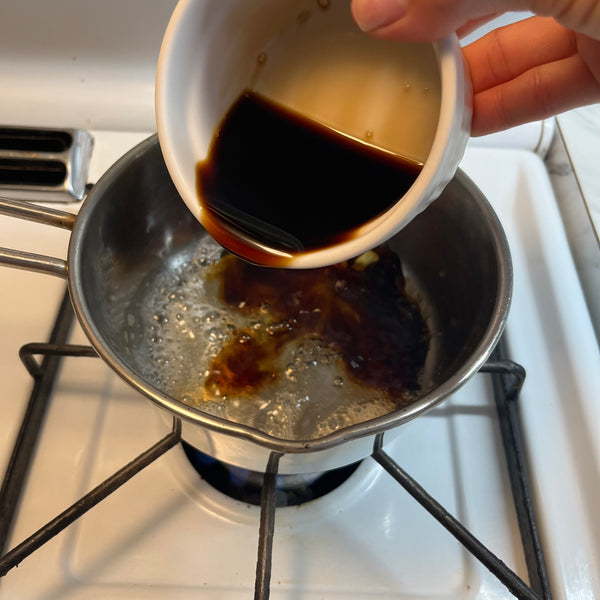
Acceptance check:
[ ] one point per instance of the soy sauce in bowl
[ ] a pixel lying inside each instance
(275, 178)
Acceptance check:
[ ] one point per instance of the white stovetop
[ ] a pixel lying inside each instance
(79, 63)
(177, 538)
(574, 170)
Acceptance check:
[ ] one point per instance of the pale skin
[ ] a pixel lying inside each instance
(523, 72)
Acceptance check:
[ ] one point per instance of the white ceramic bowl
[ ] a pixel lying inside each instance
(213, 51)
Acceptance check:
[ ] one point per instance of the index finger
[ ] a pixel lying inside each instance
(507, 52)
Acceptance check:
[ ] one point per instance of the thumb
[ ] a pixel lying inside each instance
(424, 20)
(582, 16)
(428, 20)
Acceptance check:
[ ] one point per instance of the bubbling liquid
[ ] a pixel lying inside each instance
(295, 354)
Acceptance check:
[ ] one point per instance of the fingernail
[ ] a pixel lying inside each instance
(374, 14)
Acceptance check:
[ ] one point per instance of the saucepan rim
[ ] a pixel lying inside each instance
(218, 424)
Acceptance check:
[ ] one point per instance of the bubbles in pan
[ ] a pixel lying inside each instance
(248, 363)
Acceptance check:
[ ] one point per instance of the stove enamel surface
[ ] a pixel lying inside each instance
(167, 534)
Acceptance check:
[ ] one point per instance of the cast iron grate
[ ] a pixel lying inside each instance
(507, 378)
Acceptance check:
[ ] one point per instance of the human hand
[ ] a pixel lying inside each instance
(525, 71)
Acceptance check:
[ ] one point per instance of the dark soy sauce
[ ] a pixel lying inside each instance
(292, 184)
(360, 312)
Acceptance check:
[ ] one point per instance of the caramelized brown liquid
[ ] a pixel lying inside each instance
(360, 312)
(292, 184)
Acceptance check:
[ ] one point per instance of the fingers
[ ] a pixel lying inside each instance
(580, 15)
(530, 70)
(430, 20)
(371, 15)
(505, 53)
(539, 93)
(425, 20)
(526, 71)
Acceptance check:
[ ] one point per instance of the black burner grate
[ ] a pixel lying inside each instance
(507, 381)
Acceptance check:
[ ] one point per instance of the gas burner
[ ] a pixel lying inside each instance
(246, 486)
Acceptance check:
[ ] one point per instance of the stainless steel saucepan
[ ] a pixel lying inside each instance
(133, 229)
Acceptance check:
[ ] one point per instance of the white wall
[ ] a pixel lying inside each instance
(84, 63)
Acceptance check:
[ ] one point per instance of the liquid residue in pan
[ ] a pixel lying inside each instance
(295, 354)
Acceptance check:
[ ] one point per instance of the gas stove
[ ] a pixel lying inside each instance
(169, 533)
(514, 474)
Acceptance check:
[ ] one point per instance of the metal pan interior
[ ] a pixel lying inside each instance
(133, 259)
